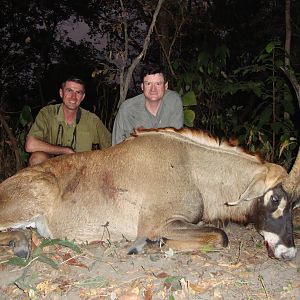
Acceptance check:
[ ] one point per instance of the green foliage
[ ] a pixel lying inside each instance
(65, 243)
(204, 79)
(252, 103)
(173, 282)
(206, 248)
(269, 128)
(189, 99)
(25, 116)
(189, 117)
(25, 121)
(17, 261)
(97, 281)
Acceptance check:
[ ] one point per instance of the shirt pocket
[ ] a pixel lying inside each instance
(84, 141)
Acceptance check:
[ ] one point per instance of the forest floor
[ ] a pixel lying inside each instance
(104, 271)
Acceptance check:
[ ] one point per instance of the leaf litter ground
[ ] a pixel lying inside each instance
(58, 270)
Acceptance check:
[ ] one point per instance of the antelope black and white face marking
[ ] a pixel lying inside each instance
(274, 222)
(271, 198)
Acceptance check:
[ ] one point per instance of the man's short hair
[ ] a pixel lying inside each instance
(152, 69)
(74, 79)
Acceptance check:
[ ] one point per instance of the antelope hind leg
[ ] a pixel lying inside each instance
(18, 241)
(181, 235)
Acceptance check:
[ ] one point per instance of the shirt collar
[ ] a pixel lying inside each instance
(61, 117)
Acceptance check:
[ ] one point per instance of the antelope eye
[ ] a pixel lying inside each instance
(274, 198)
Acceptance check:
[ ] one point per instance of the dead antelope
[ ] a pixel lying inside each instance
(157, 185)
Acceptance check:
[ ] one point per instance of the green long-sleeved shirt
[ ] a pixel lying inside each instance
(50, 126)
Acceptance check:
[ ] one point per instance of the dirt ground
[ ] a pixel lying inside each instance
(105, 271)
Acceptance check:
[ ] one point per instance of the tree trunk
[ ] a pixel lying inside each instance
(288, 32)
(125, 76)
(13, 142)
(163, 34)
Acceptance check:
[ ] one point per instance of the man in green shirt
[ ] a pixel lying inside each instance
(66, 128)
(157, 107)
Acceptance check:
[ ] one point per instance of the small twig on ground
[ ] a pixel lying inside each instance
(70, 258)
(105, 229)
(148, 271)
(261, 280)
(125, 238)
(111, 265)
(239, 253)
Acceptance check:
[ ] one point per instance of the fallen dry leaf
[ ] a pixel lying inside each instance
(196, 288)
(64, 284)
(218, 294)
(35, 239)
(100, 243)
(296, 284)
(129, 296)
(68, 259)
(94, 293)
(45, 287)
(235, 266)
(148, 294)
(162, 275)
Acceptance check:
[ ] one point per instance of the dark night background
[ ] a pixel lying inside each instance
(213, 50)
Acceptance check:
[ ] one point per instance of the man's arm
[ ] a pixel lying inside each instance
(36, 140)
(34, 144)
(103, 134)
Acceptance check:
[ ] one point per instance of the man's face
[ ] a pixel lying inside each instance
(72, 94)
(154, 87)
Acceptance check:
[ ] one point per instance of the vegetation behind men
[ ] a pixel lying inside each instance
(66, 128)
(157, 107)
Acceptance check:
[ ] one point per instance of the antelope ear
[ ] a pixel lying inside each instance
(255, 189)
(296, 196)
(296, 203)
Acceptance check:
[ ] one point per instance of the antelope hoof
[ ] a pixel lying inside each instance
(21, 249)
(18, 241)
(138, 245)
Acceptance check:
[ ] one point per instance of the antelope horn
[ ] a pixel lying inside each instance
(293, 80)
(292, 180)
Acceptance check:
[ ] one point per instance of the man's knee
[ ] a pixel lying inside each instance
(37, 158)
